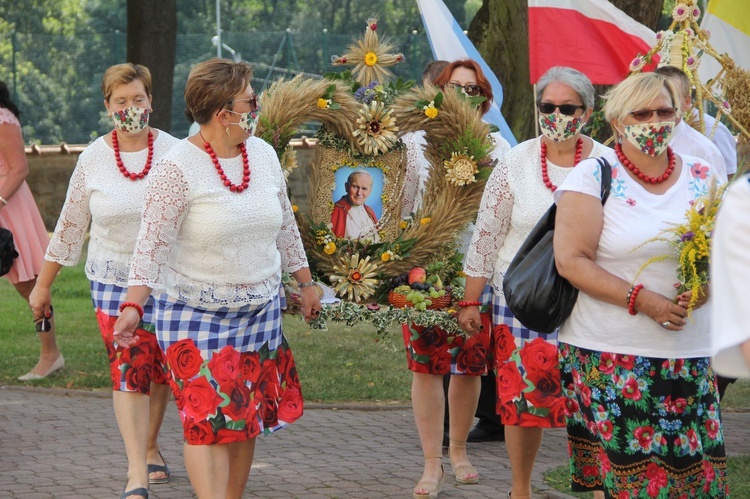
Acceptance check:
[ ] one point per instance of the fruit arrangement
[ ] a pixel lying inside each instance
(417, 289)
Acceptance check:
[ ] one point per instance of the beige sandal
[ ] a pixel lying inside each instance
(466, 474)
(428, 489)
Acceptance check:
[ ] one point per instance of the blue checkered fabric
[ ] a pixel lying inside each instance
(108, 298)
(501, 314)
(245, 328)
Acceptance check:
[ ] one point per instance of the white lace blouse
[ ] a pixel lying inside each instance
(100, 194)
(514, 199)
(208, 246)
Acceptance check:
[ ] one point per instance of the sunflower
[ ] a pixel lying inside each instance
(370, 57)
(461, 169)
(376, 129)
(354, 279)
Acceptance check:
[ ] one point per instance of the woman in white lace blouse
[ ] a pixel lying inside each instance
(517, 194)
(216, 233)
(107, 189)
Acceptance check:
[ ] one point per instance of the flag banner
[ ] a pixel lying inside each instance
(449, 43)
(728, 22)
(592, 36)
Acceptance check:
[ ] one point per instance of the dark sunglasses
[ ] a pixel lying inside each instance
(471, 90)
(566, 109)
(253, 101)
(665, 113)
(43, 324)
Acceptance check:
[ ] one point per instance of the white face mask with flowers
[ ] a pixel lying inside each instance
(559, 127)
(248, 121)
(650, 138)
(132, 119)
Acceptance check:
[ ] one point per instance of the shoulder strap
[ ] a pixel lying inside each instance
(606, 178)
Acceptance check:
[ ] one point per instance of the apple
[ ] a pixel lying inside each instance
(417, 274)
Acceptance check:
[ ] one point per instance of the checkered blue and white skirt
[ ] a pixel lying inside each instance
(232, 372)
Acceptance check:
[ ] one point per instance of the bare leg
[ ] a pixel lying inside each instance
(463, 396)
(157, 406)
(241, 460)
(49, 351)
(428, 404)
(522, 445)
(208, 468)
(132, 414)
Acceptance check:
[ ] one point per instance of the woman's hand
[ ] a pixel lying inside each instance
(310, 303)
(470, 320)
(664, 311)
(40, 301)
(125, 327)
(684, 299)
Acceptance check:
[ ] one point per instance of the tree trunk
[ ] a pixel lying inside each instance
(152, 42)
(500, 32)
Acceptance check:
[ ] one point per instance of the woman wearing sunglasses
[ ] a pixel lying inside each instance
(217, 231)
(428, 397)
(641, 394)
(517, 194)
(107, 189)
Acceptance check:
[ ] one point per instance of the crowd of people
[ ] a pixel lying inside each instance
(188, 240)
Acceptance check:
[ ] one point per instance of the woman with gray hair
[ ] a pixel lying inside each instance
(517, 194)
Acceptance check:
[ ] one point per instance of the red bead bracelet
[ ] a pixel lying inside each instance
(632, 294)
(463, 303)
(127, 304)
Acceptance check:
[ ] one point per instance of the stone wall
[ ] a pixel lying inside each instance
(50, 168)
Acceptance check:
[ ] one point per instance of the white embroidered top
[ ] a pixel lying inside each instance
(514, 200)
(208, 246)
(100, 194)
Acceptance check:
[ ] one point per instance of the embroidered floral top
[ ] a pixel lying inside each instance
(100, 194)
(208, 246)
(514, 200)
(633, 215)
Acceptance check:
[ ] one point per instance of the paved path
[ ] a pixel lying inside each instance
(57, 444)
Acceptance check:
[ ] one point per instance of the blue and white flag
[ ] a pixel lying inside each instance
(449, 43)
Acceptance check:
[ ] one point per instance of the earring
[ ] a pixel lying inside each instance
(227, 130)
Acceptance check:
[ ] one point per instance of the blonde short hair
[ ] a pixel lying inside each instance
(122, 74)
(636, 92)
(211, 86)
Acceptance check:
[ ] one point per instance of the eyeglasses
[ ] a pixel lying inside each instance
(664, 113)
(253, 101)
(471, 90)
(43, 324)
(566, 109)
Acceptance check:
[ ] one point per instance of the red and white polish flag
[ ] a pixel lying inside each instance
(592, 36)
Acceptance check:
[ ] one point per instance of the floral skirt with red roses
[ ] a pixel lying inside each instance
(131, 369)
(432, 350)
(527, 372)
(232, 372)
(643, 426)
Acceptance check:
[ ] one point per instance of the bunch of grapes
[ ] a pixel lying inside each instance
(419, 294)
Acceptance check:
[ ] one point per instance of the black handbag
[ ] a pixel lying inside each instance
(536, 294)
(8, 251)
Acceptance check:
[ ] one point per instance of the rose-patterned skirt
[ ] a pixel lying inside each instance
(232, 372)
(643, 426)
(527, 372)
(432, 350)
(131, 369)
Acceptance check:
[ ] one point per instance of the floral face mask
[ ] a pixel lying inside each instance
(650, 138)
(559, 127)
(248, 121)
(132, 119)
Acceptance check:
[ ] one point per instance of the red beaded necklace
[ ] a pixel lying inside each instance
(121, 166)
(245, 167)
(642, 176)
(545, 175)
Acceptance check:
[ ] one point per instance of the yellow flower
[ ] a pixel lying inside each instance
(295, 208)
(403, 224)
(430, 112)
(385, 256)
(355, 279)
(461, 169)
(329, 249)
(425, 220)
(371, 58)
(375, 129)
(322, 103)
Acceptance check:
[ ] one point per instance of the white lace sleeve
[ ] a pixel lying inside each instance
(493, 221)
(289, 242)
(70, 232)
(7, 116)
(164, 209)
(415, 176)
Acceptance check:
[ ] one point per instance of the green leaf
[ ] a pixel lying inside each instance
(438, 99)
